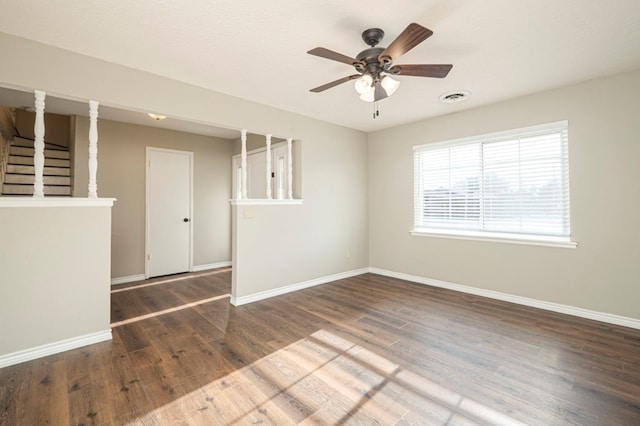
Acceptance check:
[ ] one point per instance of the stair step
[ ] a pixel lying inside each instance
(9, 189)
(28, 143)
(30, 170)
(28, 152)
(29, 179)
(53, 162)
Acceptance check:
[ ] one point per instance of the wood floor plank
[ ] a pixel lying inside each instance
(363, 350)
(87, 394)
(49, 388)
(12, 394)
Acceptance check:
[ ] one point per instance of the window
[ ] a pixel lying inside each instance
(512, 185)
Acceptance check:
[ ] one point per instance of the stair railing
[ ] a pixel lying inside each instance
(4, 158)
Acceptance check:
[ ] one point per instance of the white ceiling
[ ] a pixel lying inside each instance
(256, 50)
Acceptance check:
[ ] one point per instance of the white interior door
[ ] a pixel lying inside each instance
(279, 168)
(169, 222)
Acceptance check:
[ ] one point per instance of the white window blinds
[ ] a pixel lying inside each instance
(514, 182)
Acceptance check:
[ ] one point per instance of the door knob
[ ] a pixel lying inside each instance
(185, 219)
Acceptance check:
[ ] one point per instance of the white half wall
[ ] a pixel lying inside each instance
(55, 272)
(276, 246)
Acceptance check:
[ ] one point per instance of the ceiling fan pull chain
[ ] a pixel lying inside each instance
(376, 112)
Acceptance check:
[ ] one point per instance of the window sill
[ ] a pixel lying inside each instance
(265, 202)
(495, 237)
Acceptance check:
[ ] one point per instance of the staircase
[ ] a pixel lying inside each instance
(20, 172)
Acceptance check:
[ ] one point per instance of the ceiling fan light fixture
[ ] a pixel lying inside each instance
(368, 96)
(363, 84)
(389, 85)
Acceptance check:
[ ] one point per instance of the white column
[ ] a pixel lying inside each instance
(93, 149)
(38, 145)
(289, 170)
(243, 164)
(268, 167)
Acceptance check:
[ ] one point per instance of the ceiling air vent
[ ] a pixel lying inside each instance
(453, 97)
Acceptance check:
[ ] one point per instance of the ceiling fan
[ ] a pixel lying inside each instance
(375, 65)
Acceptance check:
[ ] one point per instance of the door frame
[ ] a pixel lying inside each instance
(148, 151)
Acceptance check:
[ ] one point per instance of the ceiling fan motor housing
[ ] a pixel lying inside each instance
(368, 61)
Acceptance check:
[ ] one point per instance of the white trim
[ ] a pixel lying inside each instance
(243, 300)
(209, 266)
(495, 237)
(129, 279)
(141, 277)
(265, 202)
(54, 348)
(55, 202)
(534, 303)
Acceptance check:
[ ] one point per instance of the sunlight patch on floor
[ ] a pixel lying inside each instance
(169, 310)
(325, 379)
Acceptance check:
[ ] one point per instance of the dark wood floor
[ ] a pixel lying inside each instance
(364, 350)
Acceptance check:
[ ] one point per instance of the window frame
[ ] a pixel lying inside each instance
(457, 232)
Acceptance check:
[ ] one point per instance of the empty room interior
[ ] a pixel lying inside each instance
(312, 212)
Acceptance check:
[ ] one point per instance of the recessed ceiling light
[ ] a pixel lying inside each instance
(455, 96)
(157, 116)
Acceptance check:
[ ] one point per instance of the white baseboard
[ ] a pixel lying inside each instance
(54, 348)
(141, 277)
(208, 266)
(129, 279)
(243, 300)
(534, 303)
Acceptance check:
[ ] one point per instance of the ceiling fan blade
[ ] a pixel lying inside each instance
(334, 56)
(334, 83)
(422, 70)
(412, 36)
(379, 93)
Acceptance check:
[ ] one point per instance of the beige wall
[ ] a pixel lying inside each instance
(601, 274)
(121, 175)
(333, 219)
(55, 274)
